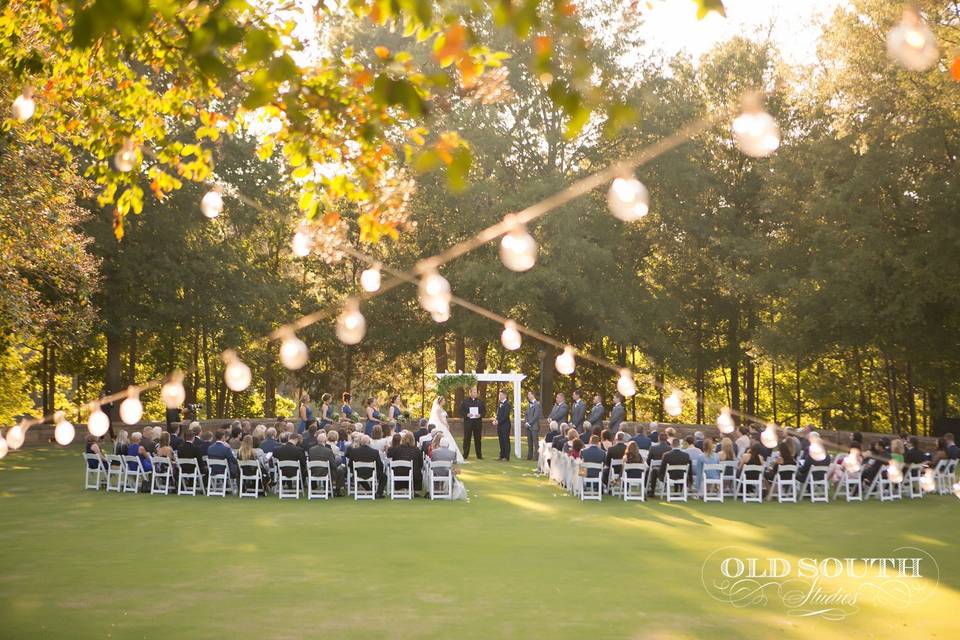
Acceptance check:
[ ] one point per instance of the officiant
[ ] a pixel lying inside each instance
(472, 411)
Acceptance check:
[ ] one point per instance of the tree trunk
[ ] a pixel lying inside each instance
(733, 346)
(440, 352)
(773, 391)
(113, 372)
(45, 379)
(269, 391)
(348, 368)
(911, 400)
(660, 378)
(892, 396)
(482, 347)
(824, 410)
(52, 379)
(460, 362)
(546, 377)
(699, 383)
(132, 358)
(864, 398)
(799, 392)
(207, 391)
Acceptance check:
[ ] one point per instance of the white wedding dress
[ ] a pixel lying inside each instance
(438, 418)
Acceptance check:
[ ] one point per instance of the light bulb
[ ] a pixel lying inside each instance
(441, 314)
(15, 436)
(370, 279)
(956, 489)
(351, 325)
(769, 437)
(63, 433)
(911, 43)
(434, 293)
(293, 352)
(894, 474)
(565, 362)
(851, 462)
(725, 421)
(302, 243)
(3, 447)
(625, 385)
(518, 249)
(510, 337)
(126, 158)
(131, 409)
(927, 482)
(236, 374)
(24, 107)
(628, 199)
(673, 404)
(98, 423)
(756, 133)
(172, 392)
(817, 450)
(212, 204)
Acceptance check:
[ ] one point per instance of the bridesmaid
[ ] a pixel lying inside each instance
(326, 411)
(395, 410)
(347, 414)
(374, 417)
(306, 413)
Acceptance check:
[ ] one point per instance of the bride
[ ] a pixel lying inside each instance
(438, 418)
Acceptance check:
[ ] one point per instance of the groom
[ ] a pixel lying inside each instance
(503, 425)
(472, 411)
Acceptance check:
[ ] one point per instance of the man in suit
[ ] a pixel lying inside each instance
(291, 450)
(503, 425)
(596, 413)
(206, 440)
(531, 421)
(220, 450)
(657, 450)
(421, 431)
(270, 444)
(366, 453)
(472, 411)
(643, 442)
(148, 442)
(953, 451)
(191, 449)
(914, 454)
(618, 414)
(614, 452)
(309, 437)
(592, 452)
(408, 451)
(559, 410)
(675, 456)
(578, 412)
(322, 451)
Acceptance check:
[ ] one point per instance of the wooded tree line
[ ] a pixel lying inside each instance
(814, 286)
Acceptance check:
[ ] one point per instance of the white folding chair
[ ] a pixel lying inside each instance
(441, 480)
(93, 468)
(319, 476)
(889, 487)
(633, 481)
(913, 480)
(816, 485)
(945, 476)
(290, 482)
(675, 477)
(591, 481)
(401, 471)
(785, 483)
(191, 480)
(656, 487)
(614, 487)
(729, 477)
(218, 477)
(364, 480)
(115, 473)
(750, 489)
(133, 474)
(711, 488)
(162, 475)
(251, 478)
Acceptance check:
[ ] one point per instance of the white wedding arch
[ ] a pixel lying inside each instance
(516, 379)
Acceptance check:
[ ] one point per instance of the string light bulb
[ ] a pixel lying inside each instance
(351, 325)
(673, 404)
(625, 384)
(566, 362)
(818, 452)
(769, 437)
(98, 423)
(927, 482)
(725, 422)
(15, 436)
(441, 315)
(211, 205)
(628, 199)
(131, 409)
(23, 106)
(126, 158)
(851, 461)
(434, 293)
(236, 374)
(911, 43)
(510, 337)
(302, 243)
(63, 432)
(518, 249)
(755, 131)
(3, 447)
(894, 474)
(370, 279)
(172, 392)
(293, 351)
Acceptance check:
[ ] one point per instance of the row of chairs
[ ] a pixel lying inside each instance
(590, 481)
(127, 474)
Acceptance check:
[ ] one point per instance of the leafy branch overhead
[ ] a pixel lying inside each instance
(109, 74)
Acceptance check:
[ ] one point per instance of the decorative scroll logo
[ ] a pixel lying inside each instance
(830, 588)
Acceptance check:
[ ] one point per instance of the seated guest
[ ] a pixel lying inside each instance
(675, 456)
(575, 448)
(175, 439)
(619, 447)
(122, 444)
(333, 442)
(247, 453)
(221, 450)
(147, 441)
(206, 439)
(657, 450)
(592, 452)
(421, 431)
(587, 431)
(322, 451)
(572, 434)
(407, 450)
(641, 439)
(552, 431)
(291, 450)
(696, 457)
(698, 439)
(632, 456)
(742, 443)
(443, 452)
(940, 453)
(727, 452)
(310, 435)
(896, 451)
(190, 449)
(953, 451)
(259, 433)
(710, 456)
(752, 456)
(138, 450)
(784, 457)
(93, 448)
(365, 453)
(269, 443)
(913, 454)
(236, 435)
(606, 440)
(165, 449)
(809, 462)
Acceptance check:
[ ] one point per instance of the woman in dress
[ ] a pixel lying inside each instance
(93, 448)
(395, 411)
(305, 413)
(438, 418)
(374, 417)
(326, 410)
(122, 444)
(347, 414)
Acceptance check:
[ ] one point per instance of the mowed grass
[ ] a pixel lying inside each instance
(520, 560)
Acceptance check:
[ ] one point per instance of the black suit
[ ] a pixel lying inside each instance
(365, 453)
(293, 452)
(188, 449)
(406, 452)
(472, 427)
(675, 457)
(657, 451)
(503, 428)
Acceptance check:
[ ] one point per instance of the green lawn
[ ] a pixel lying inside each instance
(520, 560)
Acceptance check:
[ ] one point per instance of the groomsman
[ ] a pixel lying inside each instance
(618, 414)
(472, 411)
(559, 411)
(579, 411)
(532, 421)
(503, 425)
(596, 413)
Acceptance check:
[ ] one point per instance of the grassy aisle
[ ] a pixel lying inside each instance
(520, 560)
